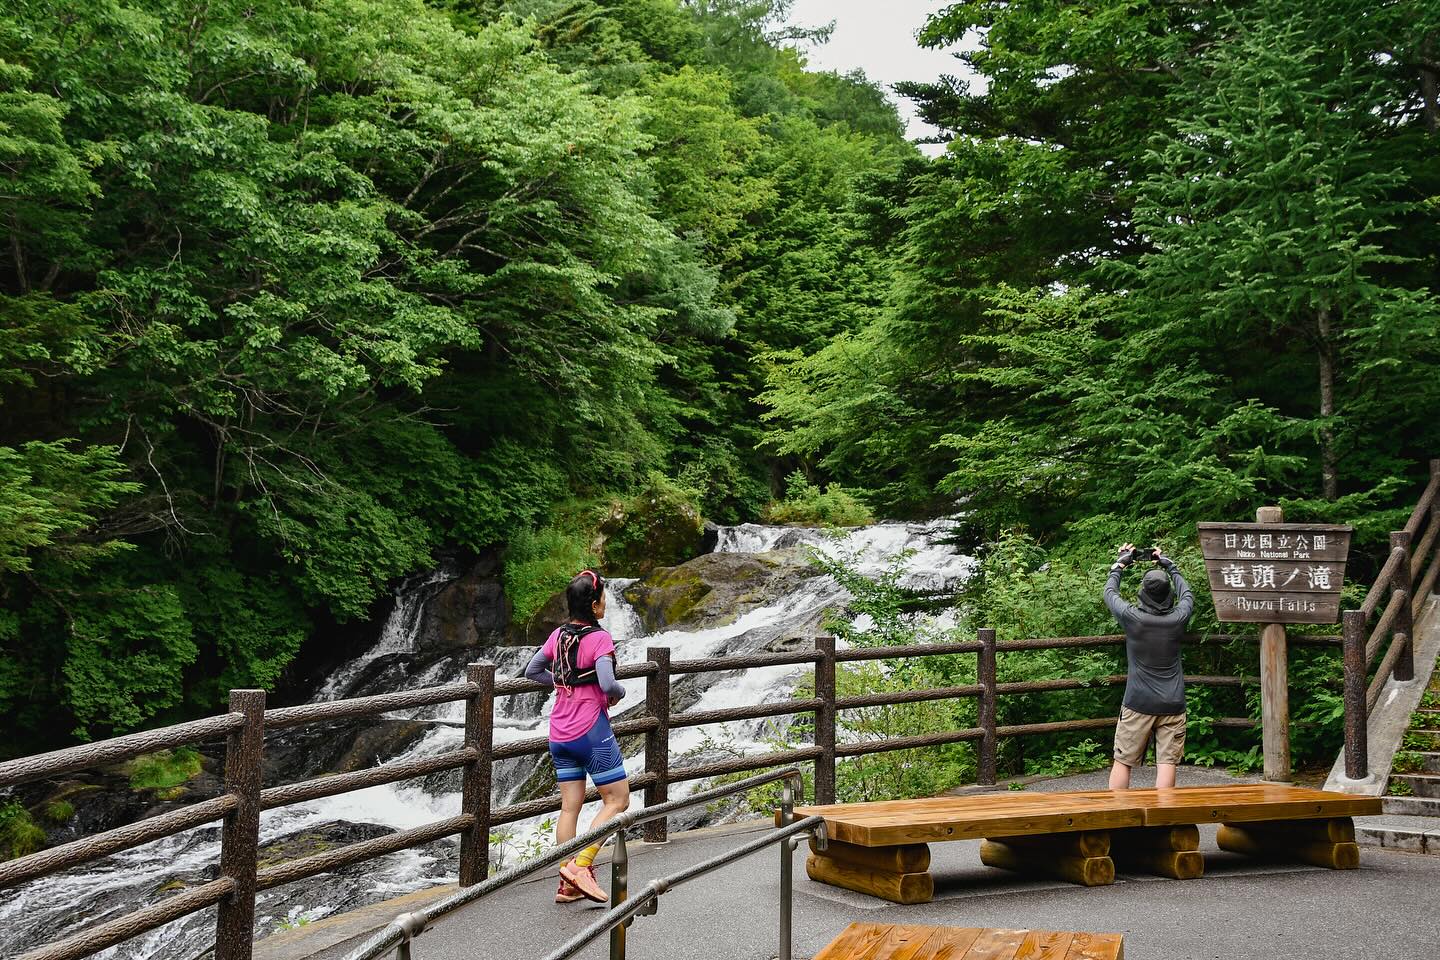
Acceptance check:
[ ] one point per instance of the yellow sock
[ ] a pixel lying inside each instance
(587, 856)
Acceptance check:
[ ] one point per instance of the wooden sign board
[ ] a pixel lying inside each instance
(1276, 572)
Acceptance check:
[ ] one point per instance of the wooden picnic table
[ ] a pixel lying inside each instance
(882, 848)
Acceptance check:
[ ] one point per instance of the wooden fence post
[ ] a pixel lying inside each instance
(1274, 684)
(657, 741)
(985, 675)
(825, 720)
(1357, 759)
(1404, 622)
(475, 786)
(240, 835)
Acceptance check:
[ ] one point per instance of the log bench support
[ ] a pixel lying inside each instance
(1172, 852)
(1322, 842)
(900, 874)
(1081, 857)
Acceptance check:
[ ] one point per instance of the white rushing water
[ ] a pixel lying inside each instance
(66, 902)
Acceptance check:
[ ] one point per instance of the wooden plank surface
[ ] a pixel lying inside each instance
(1044, 945)
(970, 818)
(1249, 802)
(1097, 946)
(950, 943)
(900, 942)
(995, 816)
(855, 941)
(887, 941)
(995, 945)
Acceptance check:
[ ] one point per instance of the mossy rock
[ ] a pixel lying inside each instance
(660, 526)
(667, 596)
(384, 741)
(715, 589)
(310, 842)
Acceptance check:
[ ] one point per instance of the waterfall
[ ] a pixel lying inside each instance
(400, 632)
(57, 905)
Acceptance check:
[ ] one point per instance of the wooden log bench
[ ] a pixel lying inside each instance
(889, 941)
(882, 849)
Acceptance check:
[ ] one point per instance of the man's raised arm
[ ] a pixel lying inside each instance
(1184, 596)
(1116, 603)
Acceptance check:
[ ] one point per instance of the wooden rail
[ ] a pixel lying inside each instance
(1394, 630)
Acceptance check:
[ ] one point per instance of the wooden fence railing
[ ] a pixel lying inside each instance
(1395, 625)
(245, 724)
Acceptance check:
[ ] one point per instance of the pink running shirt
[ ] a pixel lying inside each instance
(575, 712)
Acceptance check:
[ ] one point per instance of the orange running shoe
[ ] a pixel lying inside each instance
(583, 879)
(567, 893)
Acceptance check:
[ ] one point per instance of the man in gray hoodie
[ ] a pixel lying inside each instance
(1155, 690)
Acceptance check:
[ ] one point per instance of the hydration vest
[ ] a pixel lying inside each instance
(566, 671)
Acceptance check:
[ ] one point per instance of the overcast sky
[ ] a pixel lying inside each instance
(878, 36)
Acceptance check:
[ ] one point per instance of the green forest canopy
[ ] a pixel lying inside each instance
(298, 294)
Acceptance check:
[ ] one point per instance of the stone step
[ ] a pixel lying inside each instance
(1421, 740)
(1412, 807)
(1426, 761)
(1417, 785)
(1414, 834)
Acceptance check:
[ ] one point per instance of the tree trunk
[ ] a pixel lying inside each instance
(1430, 86)
(1329, 473)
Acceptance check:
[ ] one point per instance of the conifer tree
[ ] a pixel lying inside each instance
(1274, 190)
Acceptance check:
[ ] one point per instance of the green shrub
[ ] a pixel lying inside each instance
(807, 505)
(1088, 754)
(164, 769)
(1407, 761)
(59, 811)
(540, 563)
(19, 833)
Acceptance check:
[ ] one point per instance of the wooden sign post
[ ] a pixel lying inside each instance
(1275, 573)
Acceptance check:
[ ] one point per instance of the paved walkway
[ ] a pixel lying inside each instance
(1237, 910)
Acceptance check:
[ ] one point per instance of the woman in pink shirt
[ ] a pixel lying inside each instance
(578, 663)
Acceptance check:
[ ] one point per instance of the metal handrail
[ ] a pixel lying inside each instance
(647, 902)
(404, 928)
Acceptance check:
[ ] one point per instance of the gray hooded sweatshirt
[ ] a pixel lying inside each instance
(1152, 642)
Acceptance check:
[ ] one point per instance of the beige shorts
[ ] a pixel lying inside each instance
(1132, 736)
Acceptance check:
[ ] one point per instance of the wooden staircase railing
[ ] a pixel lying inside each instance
(1395, 625)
